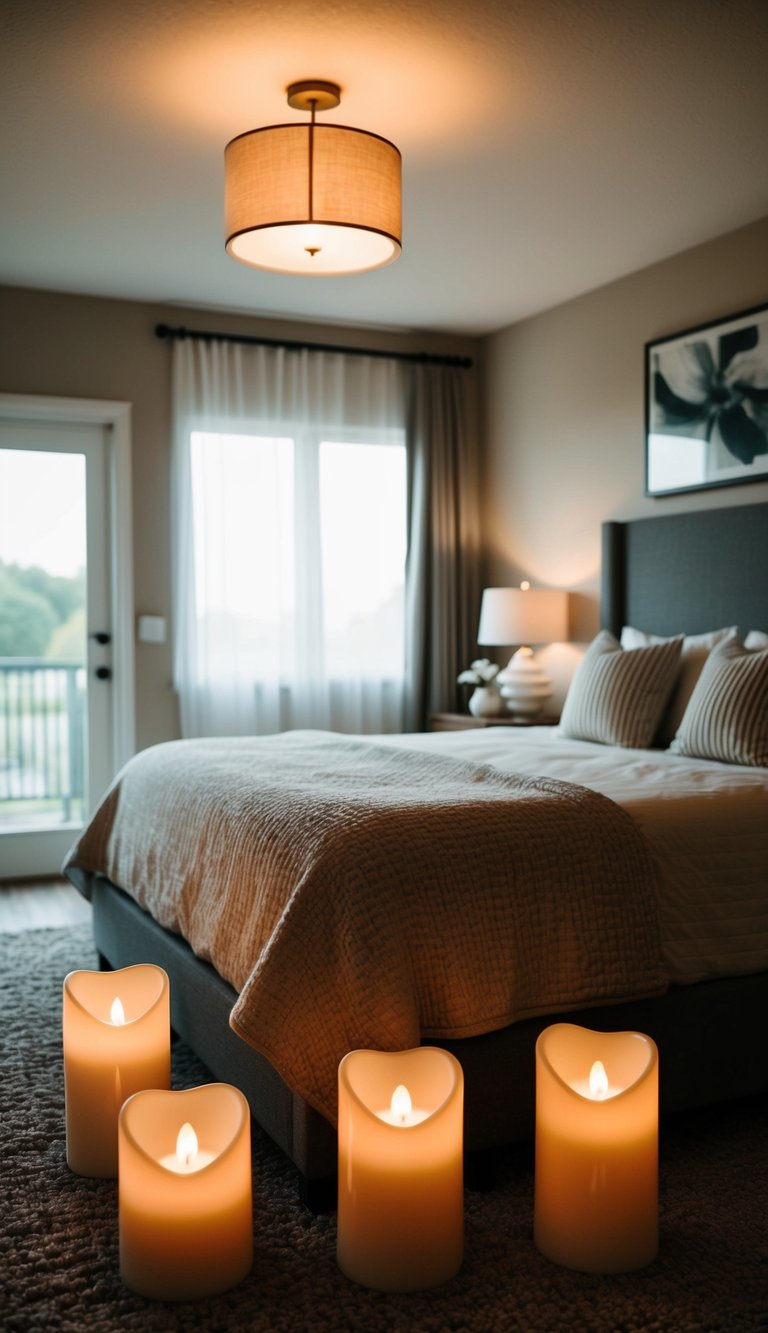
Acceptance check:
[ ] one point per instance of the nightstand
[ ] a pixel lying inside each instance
(466, 722)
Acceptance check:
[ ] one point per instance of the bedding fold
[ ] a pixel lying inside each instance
(358, 895)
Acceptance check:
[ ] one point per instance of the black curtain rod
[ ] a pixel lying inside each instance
(423, 358)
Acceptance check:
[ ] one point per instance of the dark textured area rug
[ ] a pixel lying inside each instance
(58, 1232)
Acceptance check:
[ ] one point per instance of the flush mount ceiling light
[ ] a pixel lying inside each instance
(312, 199)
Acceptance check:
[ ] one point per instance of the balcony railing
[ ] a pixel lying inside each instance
(42, 742)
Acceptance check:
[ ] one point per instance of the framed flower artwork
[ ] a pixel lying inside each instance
(706, 405)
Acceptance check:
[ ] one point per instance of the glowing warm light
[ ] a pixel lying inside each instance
(401, 1190)
(596, 1205)
(116, 1032)
(598, 1081)
(312, 198)
(401, 1111)
(525, 585)
(313, 249)
(186, 1144)
(186, 1219)
(401, 1104)
(404, 69)
(188, 1158)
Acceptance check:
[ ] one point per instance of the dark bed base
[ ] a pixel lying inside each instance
(708, 1036)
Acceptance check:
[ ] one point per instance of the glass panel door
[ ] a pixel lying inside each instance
(54, 673)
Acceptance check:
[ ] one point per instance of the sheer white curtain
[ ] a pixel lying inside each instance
(289, 539)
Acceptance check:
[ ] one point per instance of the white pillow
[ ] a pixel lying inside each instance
(727, 716)
(617, 696)
(695, 650)
(756, 639)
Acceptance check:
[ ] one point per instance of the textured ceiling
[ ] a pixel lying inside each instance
(549, 146)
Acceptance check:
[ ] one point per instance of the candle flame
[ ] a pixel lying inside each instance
(401, 1101)
(117, 1012)
(186, 1144)
(598, 1080)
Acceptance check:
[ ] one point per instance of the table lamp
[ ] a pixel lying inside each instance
(523, 616)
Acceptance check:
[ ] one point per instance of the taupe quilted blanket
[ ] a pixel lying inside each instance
(360, 896)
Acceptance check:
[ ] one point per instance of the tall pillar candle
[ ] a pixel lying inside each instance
(597, 1116)
(117, 1040)
(185, 1199)
(401, 1179)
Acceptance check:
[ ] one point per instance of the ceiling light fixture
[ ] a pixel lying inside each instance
(311, 199)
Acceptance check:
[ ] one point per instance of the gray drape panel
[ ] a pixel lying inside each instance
(443, 567)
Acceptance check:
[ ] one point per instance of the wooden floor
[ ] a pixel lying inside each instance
(39, 904)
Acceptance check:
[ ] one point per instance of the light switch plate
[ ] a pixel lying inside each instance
(151, 629)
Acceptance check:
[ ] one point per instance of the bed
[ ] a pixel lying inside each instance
(679, 573)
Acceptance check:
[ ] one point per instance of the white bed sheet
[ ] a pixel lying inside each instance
(706, 822)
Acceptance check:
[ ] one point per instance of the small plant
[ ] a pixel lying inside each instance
(482, 673)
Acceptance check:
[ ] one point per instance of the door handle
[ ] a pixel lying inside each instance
(103, 673)
(101, 636)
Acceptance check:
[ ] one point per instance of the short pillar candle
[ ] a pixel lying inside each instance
(597, 1124)
(184, 1189)
(117, 1040)
(401, 1178)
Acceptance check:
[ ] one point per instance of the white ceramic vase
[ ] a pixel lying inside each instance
(485, 701)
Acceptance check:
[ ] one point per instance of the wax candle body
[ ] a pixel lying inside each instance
(596, 1192)
(186, 1228)
(117, 1040)
(401, 1185)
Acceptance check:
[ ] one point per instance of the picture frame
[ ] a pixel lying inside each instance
(706, 405)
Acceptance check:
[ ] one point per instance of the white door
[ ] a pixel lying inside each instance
(56, 638)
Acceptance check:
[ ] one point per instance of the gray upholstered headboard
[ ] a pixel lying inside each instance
(687, 572)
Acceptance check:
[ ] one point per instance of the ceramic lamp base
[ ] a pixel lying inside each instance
(524, 685)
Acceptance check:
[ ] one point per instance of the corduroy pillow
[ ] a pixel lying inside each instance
(727, 717)
(694, 653)
(617, 695)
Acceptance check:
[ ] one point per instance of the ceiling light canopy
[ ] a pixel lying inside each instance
(316, 200)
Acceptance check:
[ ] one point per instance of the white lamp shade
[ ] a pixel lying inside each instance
(313, 199)
(523, 616)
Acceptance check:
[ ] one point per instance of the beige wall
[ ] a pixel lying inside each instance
(85, 347)
(564, 415)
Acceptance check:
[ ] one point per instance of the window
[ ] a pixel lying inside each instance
(363, 547)
(299, 545)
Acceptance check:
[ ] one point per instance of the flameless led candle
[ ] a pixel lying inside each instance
(186, 1213)
(117, 1040)
(401, 1179)
(597, 1120)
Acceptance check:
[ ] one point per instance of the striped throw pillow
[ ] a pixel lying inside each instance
(617, 695)
(727, 716)
(694, 653)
